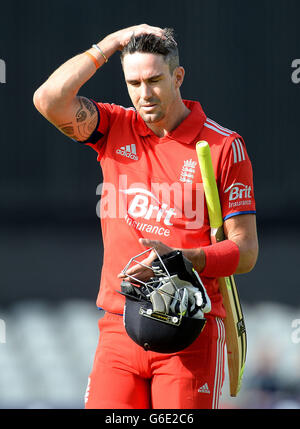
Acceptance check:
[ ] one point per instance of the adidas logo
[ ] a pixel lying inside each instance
(204, 389)
(129, 151)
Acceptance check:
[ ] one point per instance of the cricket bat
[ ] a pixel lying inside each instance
(235, 331)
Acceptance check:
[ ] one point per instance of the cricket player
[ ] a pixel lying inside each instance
(152, 198)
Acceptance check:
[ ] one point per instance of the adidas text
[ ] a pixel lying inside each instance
(129, 151)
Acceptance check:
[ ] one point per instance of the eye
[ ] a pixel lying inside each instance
(134, 83)
(154, 80)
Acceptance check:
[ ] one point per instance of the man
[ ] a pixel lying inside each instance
(144, 151)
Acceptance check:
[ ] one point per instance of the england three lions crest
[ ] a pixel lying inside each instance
(188, 171)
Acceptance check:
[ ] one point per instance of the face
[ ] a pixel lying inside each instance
(151, 87)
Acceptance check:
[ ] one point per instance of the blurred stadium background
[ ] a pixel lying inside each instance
(237, 57)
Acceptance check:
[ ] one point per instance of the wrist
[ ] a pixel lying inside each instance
(99, 51)
(196, 256)
(110, 44)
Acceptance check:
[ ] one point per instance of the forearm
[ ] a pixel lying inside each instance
(216, 260)
(63, 85)
(196, 256)
(224, 258)
(248, 253)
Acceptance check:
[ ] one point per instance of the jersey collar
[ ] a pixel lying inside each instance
(186, 132)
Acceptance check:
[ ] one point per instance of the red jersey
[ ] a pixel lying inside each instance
(152, 188)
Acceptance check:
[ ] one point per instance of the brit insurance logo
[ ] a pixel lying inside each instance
(141, 209)
(154, 208)
(129, 151)
(239, 194)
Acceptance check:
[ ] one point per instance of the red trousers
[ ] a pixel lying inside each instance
(125, 376)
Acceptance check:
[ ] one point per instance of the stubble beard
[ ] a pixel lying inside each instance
(152, 117)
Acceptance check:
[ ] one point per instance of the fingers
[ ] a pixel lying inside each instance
(142, 272)
(138, 30)
(148, 29)
(148, 243)
(131, 271)
(160, 247)
(137, 271)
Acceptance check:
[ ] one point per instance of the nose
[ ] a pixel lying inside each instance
(146, 92)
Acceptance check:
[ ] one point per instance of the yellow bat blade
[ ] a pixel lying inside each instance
(236, 340)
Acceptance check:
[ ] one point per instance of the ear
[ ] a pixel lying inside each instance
(179, 73)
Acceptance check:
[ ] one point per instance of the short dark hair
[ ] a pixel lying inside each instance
(149, 43)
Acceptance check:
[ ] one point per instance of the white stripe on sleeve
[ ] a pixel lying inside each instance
(238, 151)
(234, 152)
(242, 149)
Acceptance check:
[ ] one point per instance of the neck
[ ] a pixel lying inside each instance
(171, 121)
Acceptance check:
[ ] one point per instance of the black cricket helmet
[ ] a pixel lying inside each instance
(166, 313)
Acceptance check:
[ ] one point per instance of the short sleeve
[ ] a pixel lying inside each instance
(97, 139)
(236, 181)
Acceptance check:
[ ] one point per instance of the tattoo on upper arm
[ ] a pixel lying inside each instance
(89, 106)
(92, 125)
(84, 123)
(67, 129)
(81, 114)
